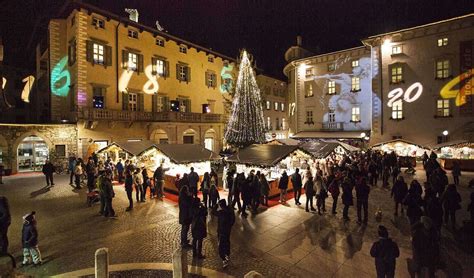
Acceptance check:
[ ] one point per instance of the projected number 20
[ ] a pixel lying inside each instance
(410, 95)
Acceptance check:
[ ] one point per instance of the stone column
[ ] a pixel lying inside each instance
(102, 263)
(180, 264)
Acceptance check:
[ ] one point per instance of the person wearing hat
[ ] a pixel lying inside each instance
(29, 240)
(385, 251)
(225, 221)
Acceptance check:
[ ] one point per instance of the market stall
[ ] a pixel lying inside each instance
(406, 151)
(271, 160)
(286, 141)
(325, 149)
(460, 151)
(124, 150)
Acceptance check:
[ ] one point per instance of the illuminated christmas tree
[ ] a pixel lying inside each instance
(246, 125)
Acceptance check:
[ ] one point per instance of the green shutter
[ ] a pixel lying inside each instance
(89, 51)
(166, 104)
(124, 101)
(206, 76)
(140, 63)
(187, 102)
(141, 103)
(153, 103)
(108, 55)
(177, 72)
(154, 69)
(188, 75)
(124, 59)
(167, 69)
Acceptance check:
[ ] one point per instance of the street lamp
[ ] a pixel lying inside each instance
(363, 135)
(445, 133)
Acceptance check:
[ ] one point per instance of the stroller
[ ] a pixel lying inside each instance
(93, 197)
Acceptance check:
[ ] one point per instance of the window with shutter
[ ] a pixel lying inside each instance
(166, 103)
(124, 101)
(124, 59)
(72, 52)
(188, 105)
(89, 51)
(188, 74)
(167, 69)
(108, 55)
(98, 53)
(154, 103)
(154, 65)
(98, 98)
(141, 102)
(140, 63)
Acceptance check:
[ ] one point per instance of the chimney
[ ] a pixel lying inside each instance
(299, 40)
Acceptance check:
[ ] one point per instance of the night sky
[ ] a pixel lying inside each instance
(266, 28)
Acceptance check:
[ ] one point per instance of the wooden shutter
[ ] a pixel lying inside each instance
(154, 69)
(206, 76)
(89, 51)
(108, 55)
(124, 101)
(188, 74)
(154, 99)
(104, 94)
(124, 59)
(141, 102)
(214, 80)
(177, 72)
(187, 103)
(166, 104)
(140, 63)
(167, 69)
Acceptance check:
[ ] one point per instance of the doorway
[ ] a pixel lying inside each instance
(32, 154)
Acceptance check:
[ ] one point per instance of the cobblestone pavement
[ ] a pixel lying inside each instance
(282, 241)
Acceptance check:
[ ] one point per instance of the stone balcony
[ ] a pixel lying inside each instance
(92, 114)
(332, 126)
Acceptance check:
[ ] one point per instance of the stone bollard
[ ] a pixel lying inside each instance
(102, 263)
(180, 264)
(253, 274)
(7, 266)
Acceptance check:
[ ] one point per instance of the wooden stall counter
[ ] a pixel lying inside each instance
(464, 164)
(170, 185)
(274, 191)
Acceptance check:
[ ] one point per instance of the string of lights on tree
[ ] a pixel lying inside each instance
(246, 125)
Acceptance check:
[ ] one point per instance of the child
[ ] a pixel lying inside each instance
(30, 240)
(213, 194)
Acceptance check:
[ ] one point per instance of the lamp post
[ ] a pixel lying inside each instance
(445, 136)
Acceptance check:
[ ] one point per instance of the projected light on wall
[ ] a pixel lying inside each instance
(227, 79)
(60, 79)
(124, 80)
(465, 89)
(151, 86)
(411, 94)
(25, 94)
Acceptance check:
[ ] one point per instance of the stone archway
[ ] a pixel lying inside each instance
(189, 136)
(210, 137)
(159, 136)
(3, 149)
(31, 153)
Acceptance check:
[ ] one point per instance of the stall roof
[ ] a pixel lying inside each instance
(346, 146)
(320, 149)
(287, 141)
(134, 148)
(454, 143)
(399, 140)
(263, 154)
(329, 134)
(186, 153)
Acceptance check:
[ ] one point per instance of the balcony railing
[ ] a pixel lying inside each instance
(92, 114)
(333, 126)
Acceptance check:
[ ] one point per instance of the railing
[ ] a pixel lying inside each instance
(92, 114)
(333, 126)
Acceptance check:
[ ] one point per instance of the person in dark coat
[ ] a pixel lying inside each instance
(236, 190)
(198, 227)
(205, 187)
(48, 170)
(29, 239)
(225, 221)
(333, 188)
(213, 194)
(129, 189)
(283, 186)
(70, 167)
(256, 192)
(146, 183)
(309, 191)
(264, 189)
(362, 194)
(297, 185)
(109, 195)
(433, 209)
(5, 221)
(425, 246)
(373, 175)
(230, 182)
(413, 202)
(193, 178)
(451, 200)
(246, 189)
(347, 199)
(159, 179)
(456, 172)
(399, 191)
(185, 214)
(91, 174)
(120, 170)
(385, 251)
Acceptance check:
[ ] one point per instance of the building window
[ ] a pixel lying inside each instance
(355, 63)
(206, 109)
(397, 110)
(160, 42)
(98, 23)
(276, 105)
(98, 98)
(309, 90)
(60, 150)
(188, 139)
(183, 72)
(211, 79)
(132, 61)
(98, 53)
(442, 108)
(331, 67)
(396, 74)
(277, 124)
(282, 106)
(210, 59)
(283, 123)
(132, 34)
(72, 52)
(442, 69)
(269, 105)
(442, 42)
(132, 102)
(160, 103)
(355, 117)
(397, 49)
(355, 84)
(331, 87)
(160, 67)
(269, 123)
(183, 49)
(309, 117)
(309, 72)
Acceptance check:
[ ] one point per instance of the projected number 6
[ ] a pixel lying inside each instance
(410, 95)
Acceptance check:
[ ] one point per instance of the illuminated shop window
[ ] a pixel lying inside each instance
(397, 110)
(442, 42)
(160, 67)
(210, 59)
(355, 63)
(355, 84)
(331, 87)
(355, 116)
(309, 117)
(98, 23)
(397, 49)
(269, 105)
(98, 53)
(183, 49)
(442, 108)
(309, 90)
(442, 69)
(160, 42)
(331, 67)
(132, 34)
(282, 106)
(132, 61)
(396, 74)
(276, 106)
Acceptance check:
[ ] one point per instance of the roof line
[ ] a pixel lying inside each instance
(423, 26)
(324, 54)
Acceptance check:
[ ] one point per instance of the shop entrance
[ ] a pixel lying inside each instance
(32, 154)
